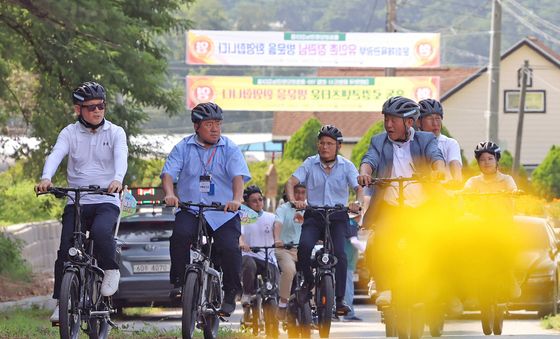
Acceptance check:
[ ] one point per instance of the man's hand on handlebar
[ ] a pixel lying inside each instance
(171, 200)
(114, 187)
(43, 186)
(355, 207)
(232, 206)
(364, 180)
(298, 205)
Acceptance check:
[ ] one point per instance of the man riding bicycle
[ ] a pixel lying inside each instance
(430, 120)
(287, 230)
(207, 167)
(327, 177)
(97, 155)
(258, 233)
(400, 151)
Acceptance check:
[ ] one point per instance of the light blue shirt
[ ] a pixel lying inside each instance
(331, 189)
(188, 161)
(291, 228)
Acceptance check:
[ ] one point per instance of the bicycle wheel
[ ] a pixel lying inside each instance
(324, 302)
(270, 320)
(69, 317)
(487, 318)
(190, 301)
(256, 313)
(304, 315)
(98, 326)
(499, 315)
(291, 320)
(211, 320)
(388, 317)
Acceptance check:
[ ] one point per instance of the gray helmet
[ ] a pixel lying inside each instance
(206, 111)
(330, 131)
(250, 190)
(401, 107)
(430, 106)
(487, 147)
(88, 91)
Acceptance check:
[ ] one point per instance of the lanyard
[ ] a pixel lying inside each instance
(205, 166)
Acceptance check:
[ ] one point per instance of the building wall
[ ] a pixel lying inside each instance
(465, 110)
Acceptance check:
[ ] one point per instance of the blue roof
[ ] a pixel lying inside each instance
(268, 146)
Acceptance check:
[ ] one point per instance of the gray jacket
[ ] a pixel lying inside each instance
(423, 148)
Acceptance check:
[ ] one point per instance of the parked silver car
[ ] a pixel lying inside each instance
(539, 270)
(143, 257)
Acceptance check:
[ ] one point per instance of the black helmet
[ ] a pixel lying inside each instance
(330, 131)
(401, 107)
(206, 111)
(487, 147)
(250, 190)
(88, 91)
(430, 106)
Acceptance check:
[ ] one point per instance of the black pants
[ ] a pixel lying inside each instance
(251, 267)
(100, 219)
(226, 253)
(311, 231)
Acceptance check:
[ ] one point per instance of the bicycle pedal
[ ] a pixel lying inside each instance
(111, 323)
(222, 319)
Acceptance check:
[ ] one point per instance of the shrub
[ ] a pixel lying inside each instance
(11, 262)
(546, 176)
(304, 141)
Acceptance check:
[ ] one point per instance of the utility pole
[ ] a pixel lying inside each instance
(518, 139)
(494, 73)
(390, 27)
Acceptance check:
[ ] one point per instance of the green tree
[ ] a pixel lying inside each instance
(304, 141)
(362, 146)
(63, 43)
(546, 176)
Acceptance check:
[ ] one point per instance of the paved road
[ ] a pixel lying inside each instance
(519, 325)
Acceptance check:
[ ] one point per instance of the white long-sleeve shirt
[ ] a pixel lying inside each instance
(94, 158)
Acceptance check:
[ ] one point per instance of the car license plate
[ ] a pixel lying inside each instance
(151, 268)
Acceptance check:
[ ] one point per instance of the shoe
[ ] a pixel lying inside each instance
(245, 299)
(54, 315)
(110, 283)
(454, 307)
(351, 318)
(372, 290)
(335, 318)
(228, 304)
(342, 308)
(281, 313)
(175, 293)
(384, 298)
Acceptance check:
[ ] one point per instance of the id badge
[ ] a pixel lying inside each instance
(205, 184)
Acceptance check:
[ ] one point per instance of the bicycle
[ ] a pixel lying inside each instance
(201, 294)
(298, 316)
(493, 303)
(81, 302)
(404, 317)
(324, 275)
(267, 292)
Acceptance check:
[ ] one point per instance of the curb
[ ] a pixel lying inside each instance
(44, 301)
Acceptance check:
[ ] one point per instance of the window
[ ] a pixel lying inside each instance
(535, 101)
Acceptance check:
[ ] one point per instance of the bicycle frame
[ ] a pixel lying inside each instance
(82, 263)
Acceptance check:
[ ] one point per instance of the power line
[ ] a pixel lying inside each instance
(529, 25)
(531, 13)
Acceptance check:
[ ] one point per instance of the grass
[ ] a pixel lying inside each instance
(33, 323)
(551, 322)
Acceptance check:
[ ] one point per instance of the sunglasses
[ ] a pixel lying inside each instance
(92, 108)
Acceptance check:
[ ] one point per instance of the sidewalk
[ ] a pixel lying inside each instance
(45, 301)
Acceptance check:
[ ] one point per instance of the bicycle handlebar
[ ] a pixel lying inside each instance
(61, 192)
(326, 208)
(492, 194)
(214, 205)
